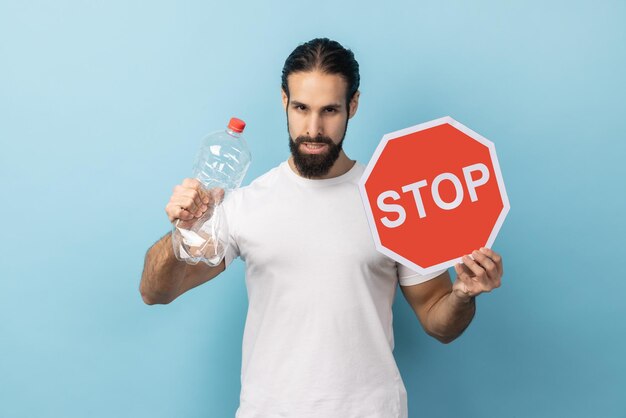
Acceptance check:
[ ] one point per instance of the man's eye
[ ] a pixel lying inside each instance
(300, 107)
(330, 110)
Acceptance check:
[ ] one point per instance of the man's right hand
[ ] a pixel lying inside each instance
(190, 200)
(164, 278)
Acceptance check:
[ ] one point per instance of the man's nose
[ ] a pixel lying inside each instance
(314, 126)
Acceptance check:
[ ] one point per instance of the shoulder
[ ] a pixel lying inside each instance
(263, 182)
(359, 168)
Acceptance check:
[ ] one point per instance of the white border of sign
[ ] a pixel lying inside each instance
(403, 132)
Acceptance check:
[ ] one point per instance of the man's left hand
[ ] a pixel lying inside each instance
(482, 274)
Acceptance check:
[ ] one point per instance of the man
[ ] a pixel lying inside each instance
(318, 340)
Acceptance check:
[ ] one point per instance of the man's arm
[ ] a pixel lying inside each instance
(441, 312)
(445, 309)
(165, 278)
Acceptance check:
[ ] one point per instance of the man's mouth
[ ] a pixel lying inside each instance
(314, 147)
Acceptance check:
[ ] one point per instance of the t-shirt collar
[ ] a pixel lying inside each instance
(347, 176)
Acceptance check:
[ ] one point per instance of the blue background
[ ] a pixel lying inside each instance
(103, 105)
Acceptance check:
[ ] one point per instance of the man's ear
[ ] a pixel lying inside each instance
(285, 99)
(354, 104)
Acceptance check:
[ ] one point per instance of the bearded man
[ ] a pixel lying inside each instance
(318, 339)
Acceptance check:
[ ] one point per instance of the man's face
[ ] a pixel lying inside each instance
(317, 120)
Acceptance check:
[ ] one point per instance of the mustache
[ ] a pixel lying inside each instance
(317, 140)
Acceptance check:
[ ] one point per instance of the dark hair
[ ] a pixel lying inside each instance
(327, 56)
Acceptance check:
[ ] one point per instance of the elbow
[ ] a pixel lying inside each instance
(445, 340)
(447, 337)
(153, 298)
(147, 298)
(150, 296)
(150, 299)
(442, 337)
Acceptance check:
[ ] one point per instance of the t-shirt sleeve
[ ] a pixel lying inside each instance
(231, 207)
(409, 277)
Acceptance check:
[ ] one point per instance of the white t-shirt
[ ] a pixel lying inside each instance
(318, 337)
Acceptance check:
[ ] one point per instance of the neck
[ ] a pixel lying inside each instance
(340, 167)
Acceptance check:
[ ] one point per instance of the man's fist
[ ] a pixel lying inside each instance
(190, 200)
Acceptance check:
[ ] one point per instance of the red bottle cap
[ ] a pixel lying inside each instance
(236, 125)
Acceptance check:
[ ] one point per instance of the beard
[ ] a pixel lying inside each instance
(315, 165)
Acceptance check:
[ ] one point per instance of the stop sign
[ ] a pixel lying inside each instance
(433, 193)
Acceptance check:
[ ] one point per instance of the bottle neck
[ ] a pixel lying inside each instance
(233, 133)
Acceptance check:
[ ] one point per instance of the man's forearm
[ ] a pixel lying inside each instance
(162, 273)
(450, 316)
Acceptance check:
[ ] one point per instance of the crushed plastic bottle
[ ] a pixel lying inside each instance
(220, 165)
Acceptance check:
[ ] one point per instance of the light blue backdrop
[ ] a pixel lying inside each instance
(103, 105)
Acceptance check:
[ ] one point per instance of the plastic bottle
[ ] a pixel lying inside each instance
(221, 163)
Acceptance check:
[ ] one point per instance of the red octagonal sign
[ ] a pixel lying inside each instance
(433, 193)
